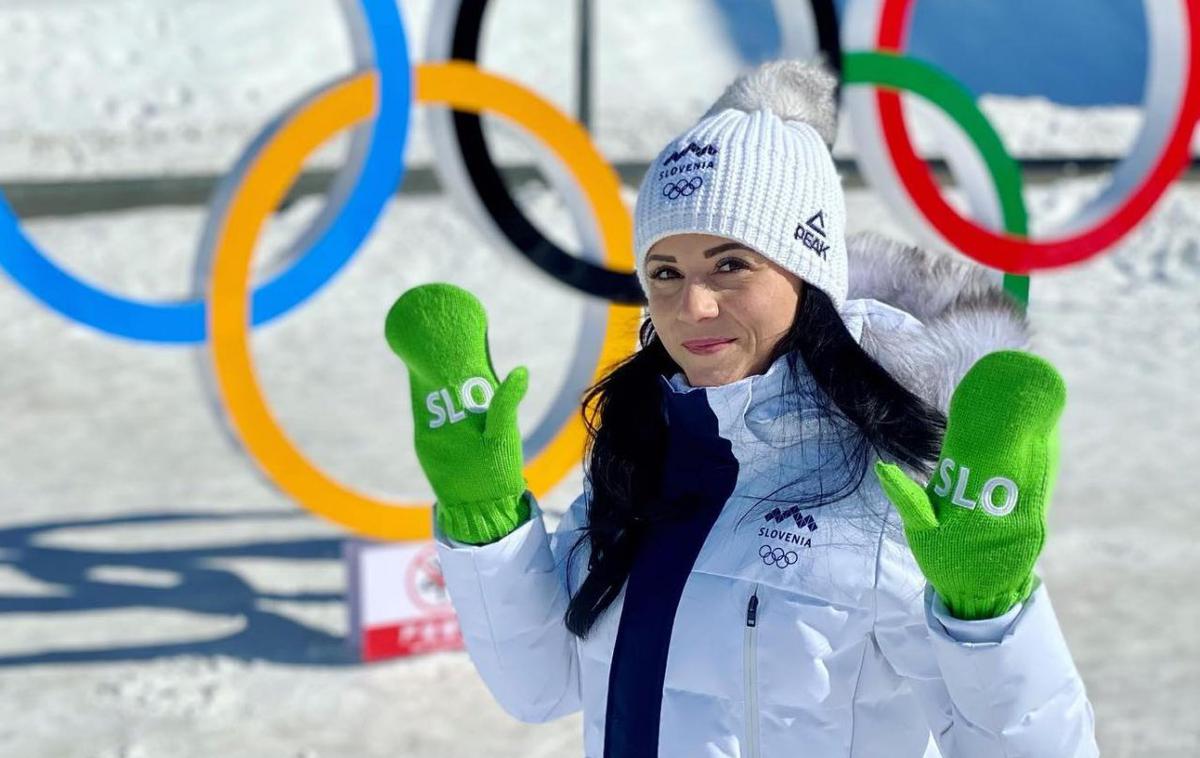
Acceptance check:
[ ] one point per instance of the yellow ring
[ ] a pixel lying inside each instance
(465, 88)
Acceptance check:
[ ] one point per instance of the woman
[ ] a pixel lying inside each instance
(732, 581)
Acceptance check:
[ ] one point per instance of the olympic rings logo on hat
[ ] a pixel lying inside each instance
(682, 188)
(776, 556)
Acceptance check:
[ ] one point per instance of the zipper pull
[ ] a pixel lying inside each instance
(752, 610)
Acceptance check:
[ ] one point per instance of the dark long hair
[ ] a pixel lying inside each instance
(627, 435)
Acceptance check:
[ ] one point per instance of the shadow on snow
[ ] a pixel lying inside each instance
(266, 635)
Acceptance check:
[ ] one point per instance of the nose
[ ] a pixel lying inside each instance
(698, 303)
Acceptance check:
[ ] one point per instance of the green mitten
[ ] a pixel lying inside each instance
(465, 421)
(978, 527)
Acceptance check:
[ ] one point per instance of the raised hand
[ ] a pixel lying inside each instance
(977, 528)
(465, 420)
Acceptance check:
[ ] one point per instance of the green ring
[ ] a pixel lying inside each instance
(898, 72)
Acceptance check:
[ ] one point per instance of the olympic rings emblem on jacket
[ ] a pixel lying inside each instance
(777, 556)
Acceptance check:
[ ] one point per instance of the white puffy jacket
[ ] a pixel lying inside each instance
(766, 630)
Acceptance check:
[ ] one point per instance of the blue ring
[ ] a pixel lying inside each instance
(187, 322)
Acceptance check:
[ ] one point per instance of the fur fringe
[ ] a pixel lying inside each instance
(965, 312)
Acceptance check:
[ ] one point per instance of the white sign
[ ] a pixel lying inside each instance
(397, 600)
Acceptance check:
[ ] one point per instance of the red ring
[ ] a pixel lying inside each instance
(1008, 252)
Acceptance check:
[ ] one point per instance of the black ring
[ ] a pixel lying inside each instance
(480, 167)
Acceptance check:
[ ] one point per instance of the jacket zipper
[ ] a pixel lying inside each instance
(750, 666)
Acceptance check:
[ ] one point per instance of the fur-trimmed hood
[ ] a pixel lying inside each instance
(964, 311)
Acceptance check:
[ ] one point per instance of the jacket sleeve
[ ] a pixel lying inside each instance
(1003, 687)
(510, 596)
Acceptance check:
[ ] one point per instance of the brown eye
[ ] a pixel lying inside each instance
(728, 265)
(670, 273)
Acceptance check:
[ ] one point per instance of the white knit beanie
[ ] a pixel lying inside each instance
(757, 169)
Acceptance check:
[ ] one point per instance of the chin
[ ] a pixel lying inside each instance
(712, 376)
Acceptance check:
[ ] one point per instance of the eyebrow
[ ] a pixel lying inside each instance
(707, 253)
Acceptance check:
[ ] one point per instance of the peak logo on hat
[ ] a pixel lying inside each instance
(812, 234)
(817, 223)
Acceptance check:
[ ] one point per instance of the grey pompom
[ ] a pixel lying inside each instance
(792, 89)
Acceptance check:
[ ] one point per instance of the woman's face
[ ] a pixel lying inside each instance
(718, 307)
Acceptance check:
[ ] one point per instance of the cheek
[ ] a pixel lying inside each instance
(657, 312)
(661, 316)
(662, 303)
(767, 312)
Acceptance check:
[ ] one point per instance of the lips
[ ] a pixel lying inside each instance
(707, 345)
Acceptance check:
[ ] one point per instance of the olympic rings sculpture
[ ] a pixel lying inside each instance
(375, 103)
